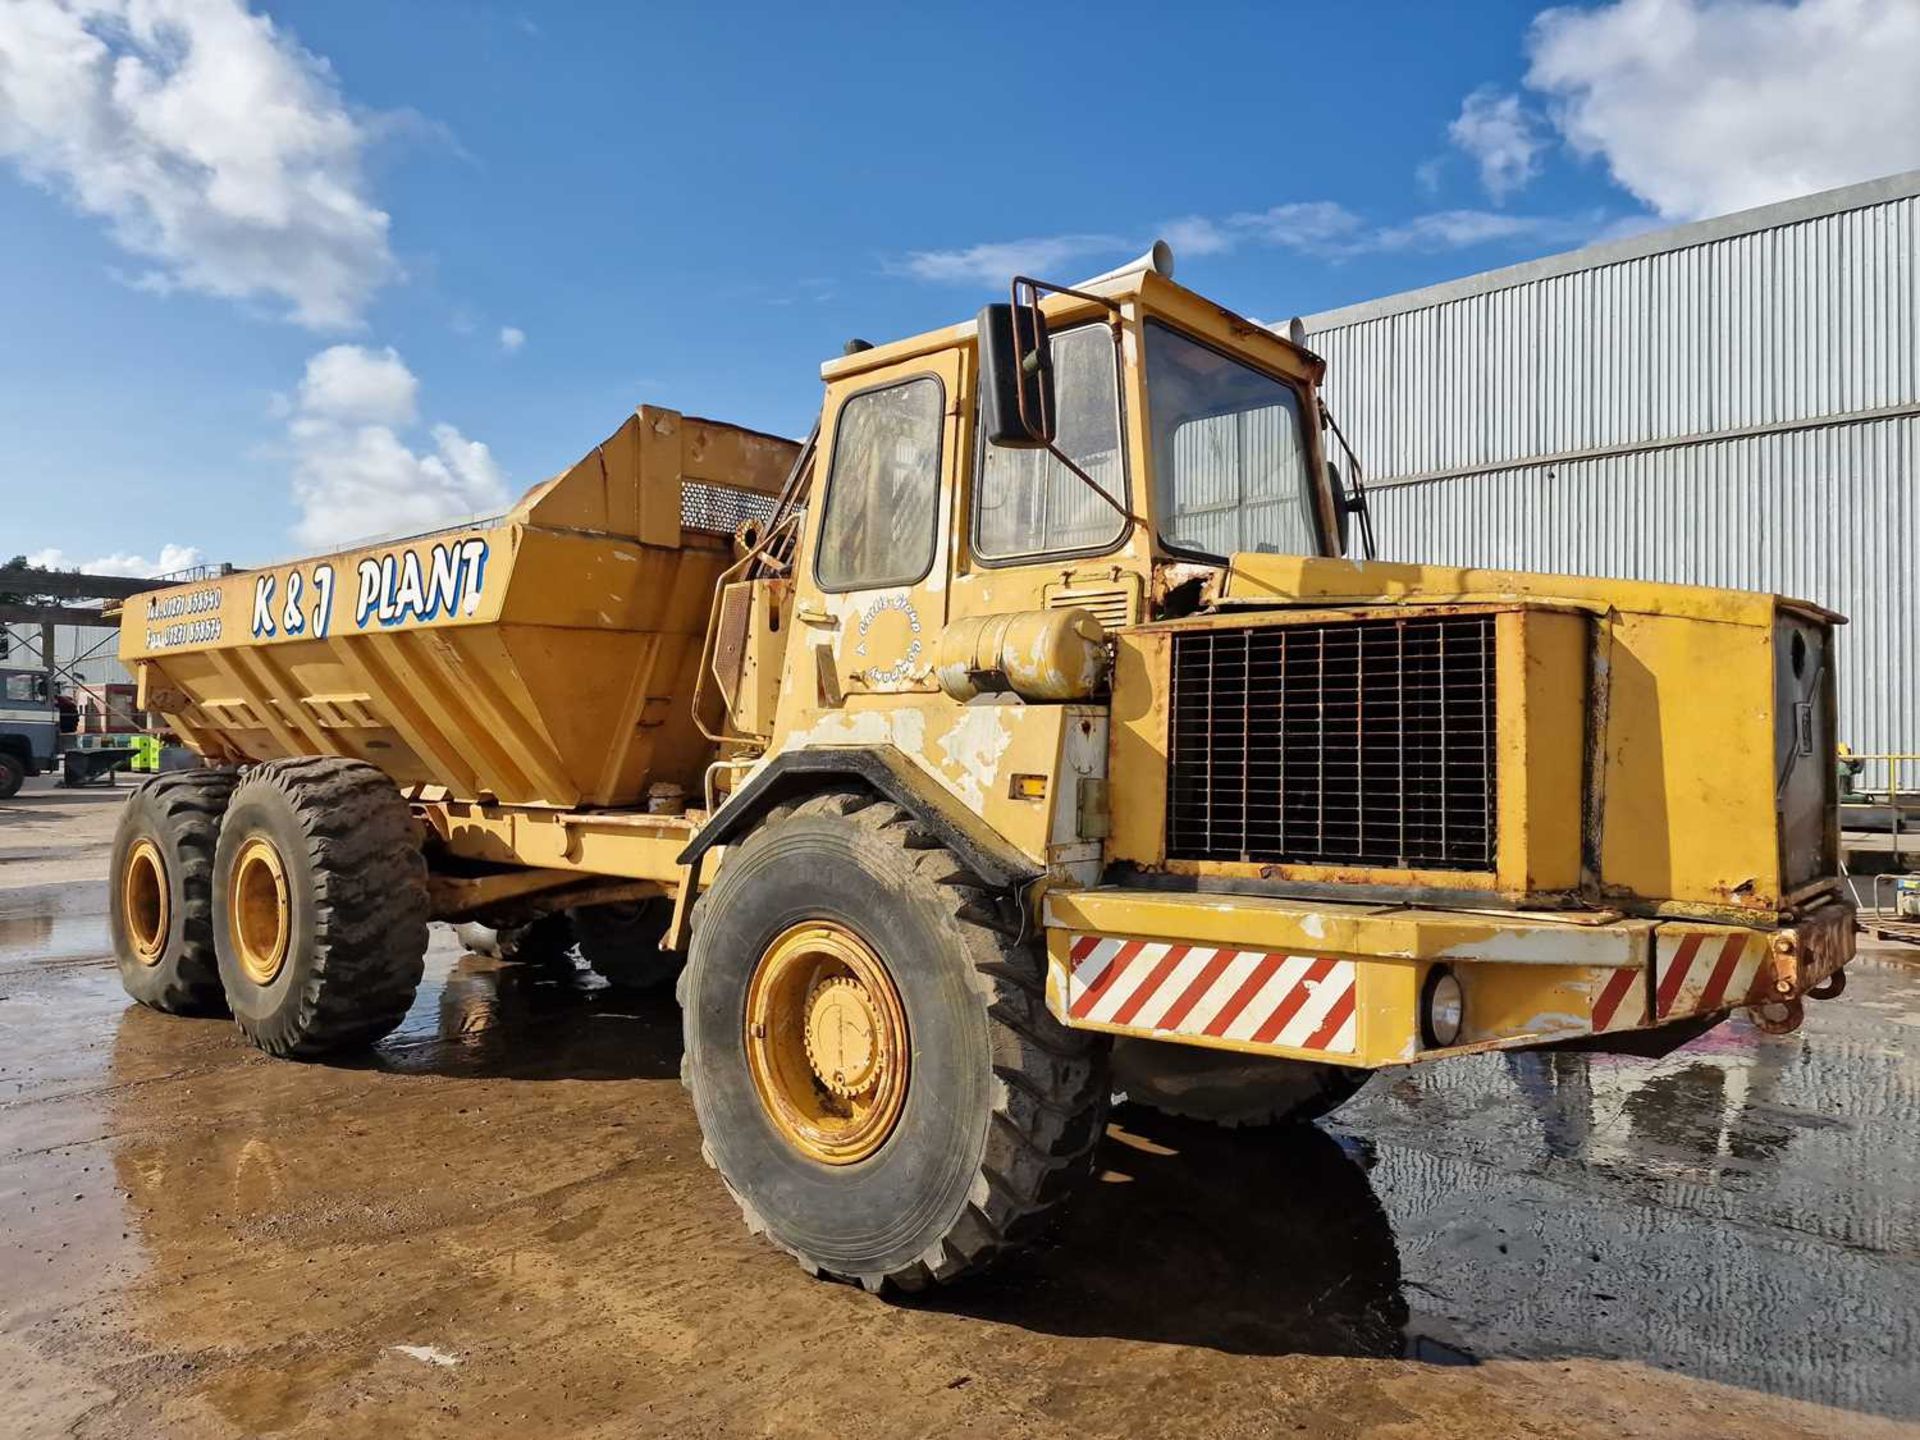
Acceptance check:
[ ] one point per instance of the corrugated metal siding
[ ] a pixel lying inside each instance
(1780, 327)
(1830, 515)
(1817, 318)
(99, 644)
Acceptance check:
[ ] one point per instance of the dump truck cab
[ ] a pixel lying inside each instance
(1271, 800)
(1025, 736)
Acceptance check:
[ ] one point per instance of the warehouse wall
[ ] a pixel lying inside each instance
(100, 645)
(1732, 403)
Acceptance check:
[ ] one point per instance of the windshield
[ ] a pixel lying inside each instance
(1229, 455)
(1031, 504)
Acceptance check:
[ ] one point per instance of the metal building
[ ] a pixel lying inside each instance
(1734, 402)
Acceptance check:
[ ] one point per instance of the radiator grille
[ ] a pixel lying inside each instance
(1356, 743)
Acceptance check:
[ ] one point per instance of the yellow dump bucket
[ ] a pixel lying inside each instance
(545, 657)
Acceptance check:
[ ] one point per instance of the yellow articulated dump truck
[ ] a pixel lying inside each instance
(1023, 737)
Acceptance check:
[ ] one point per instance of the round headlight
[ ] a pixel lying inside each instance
(1446, 1008)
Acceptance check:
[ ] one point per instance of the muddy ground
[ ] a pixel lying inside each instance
(498, 1223)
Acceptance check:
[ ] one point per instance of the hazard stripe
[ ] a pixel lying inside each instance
(1091, 995)
(1260, 998)
(1675, 975)
(1202, 983)
(1336, 1020)
(1148, 987)
(1618, 986)
(1290, 1003)
(1723, 969)
(1263, 971)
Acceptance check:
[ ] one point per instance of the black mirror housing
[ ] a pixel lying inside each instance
(1016, 377)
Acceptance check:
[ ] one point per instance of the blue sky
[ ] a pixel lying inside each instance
(694, 205)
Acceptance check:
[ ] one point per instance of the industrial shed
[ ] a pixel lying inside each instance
(1734, 402)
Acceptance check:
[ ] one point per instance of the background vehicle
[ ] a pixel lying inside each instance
(29, 728)
(1023, 732)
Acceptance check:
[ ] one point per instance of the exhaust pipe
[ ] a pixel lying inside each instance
(1158, 259)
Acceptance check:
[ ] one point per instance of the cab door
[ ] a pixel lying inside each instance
(871, 595)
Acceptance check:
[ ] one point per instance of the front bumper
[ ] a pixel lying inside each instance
(1343, 983)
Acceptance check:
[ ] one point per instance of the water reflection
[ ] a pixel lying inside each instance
(1746, 1210)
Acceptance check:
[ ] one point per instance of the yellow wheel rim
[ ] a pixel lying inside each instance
(827, 1043)
(144, 904)
(258, 914)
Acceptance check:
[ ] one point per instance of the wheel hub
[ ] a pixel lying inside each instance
(843, 1026)
(144, 904)
(826, 1043)
(258, 912)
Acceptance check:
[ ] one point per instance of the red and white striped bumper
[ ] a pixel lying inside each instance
(1240, 997)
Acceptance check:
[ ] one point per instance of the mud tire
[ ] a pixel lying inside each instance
(1004, 1105)
(180, 814)
(357, 905)
(621, 943)
(13, 775)
(1227, 1089)
(546, 941)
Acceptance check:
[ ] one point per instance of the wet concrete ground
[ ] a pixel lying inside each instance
(498, 1223)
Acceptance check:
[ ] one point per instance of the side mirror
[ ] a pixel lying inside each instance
(1016, 377)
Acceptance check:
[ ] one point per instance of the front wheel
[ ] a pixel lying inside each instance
(875, 1071)
(13, 774)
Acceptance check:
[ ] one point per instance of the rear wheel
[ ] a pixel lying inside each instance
(160, 911)
(319, 906)
(621, 942)
(13, 774)
(1225, 1088)
(874, 1067)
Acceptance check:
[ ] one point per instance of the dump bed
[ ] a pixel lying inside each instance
(546, 657)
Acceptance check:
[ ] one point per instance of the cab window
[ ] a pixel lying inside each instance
(1028, 503)
(1230, 456)
(883, 488)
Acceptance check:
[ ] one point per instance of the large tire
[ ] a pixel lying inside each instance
(1224, 1088)
(621, 943)
(1001, 1105)
(160, 911)
(13, 774)
(326, 953)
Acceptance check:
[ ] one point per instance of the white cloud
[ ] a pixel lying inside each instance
(1465, 229)
(512, 337)
(210, 142)
(1701, 107)
(355, 385)
(172, 558)
(1316, 226)
(997, 262)
(1502, 137)
(355, 476)
(1321, 228)
(1197, 235)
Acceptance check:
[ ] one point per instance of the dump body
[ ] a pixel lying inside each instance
(546, 658)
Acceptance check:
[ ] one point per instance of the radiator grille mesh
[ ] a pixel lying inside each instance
(1355, 743)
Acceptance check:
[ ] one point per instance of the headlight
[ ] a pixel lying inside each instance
(1444, 1011)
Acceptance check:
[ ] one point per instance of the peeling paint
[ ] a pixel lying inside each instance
(973, 748)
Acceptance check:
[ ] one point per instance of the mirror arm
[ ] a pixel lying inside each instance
(1357, 501)
(1092, 484)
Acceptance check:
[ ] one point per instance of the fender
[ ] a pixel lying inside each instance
(885, 770)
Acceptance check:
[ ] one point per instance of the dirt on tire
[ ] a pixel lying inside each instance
(1018, 1101)
(357, 893)
(179, 813)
